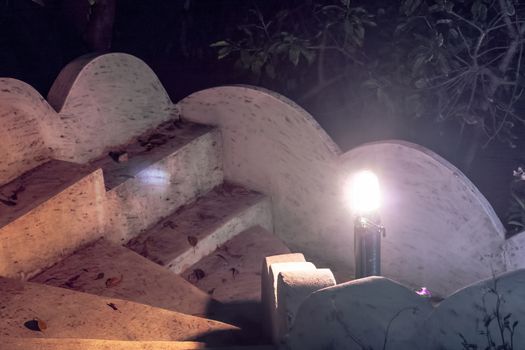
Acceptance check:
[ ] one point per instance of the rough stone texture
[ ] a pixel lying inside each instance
(359, 315)
(464, 313)
(293, 287)
(70, 314)
(105, 101)
(150, 185)
(25, 118)
(441, 232)
(233, 270)
(61, 208)
(141, 280)
(268, 299)
(275, 270)
(95, 344)
(514, 252)
(194, 231)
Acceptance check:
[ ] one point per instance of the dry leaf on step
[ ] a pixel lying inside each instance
(192, 240)
(114, 281)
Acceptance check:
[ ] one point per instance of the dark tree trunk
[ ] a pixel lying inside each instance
(99, 31)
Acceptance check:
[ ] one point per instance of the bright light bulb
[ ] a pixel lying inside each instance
(362, 192)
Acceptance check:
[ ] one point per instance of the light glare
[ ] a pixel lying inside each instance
(363, 192)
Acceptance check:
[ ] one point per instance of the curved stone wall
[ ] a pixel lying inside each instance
(104, 101)
(26, 122)
(441, 232)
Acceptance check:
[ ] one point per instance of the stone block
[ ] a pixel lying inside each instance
(368, 313)
(267, 289)
(275, 270)
(467, 312)
(293, 287)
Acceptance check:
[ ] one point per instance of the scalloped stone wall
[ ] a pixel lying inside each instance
(441, 231)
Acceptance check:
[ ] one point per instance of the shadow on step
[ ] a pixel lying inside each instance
(245, 315)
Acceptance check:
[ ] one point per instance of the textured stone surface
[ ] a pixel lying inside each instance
(154, 182)
(140, 280)
(276, 269)
(293, 287)
(95, 344)
(70, 314)
(360, 315)
(233, 270)
(25, 118)
(268, 298)
(62, 208)
(194, 231)
(441, 232)
(105, 101)
(465, 312)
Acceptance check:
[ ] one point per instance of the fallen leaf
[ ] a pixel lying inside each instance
(234, 271)
(70, 282)
(113, 306)
(210, 292)
(169, 224)
(100, 276)
(192, 240)
(114, 281)
(36, 325)
(196, 275)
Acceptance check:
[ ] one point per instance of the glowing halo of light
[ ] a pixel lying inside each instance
(362, 192)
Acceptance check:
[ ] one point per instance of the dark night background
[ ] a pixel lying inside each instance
(174, 37)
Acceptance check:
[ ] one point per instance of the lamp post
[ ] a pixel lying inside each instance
(365, 201)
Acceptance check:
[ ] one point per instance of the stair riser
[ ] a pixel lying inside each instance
(65, 222)
(165, 186)
(258, 214)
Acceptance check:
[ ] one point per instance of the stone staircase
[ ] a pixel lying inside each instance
(144, 248)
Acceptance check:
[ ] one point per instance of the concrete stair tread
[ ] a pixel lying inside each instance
(98, 344)
(71, 314)
(147, 150)
(28, 191)
(183, 231)
(141, 280)
(232, 274)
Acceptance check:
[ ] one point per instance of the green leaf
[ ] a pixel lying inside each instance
(220, 44)
(293, 54)
(224, 51)
(410, 6)
(309, 55)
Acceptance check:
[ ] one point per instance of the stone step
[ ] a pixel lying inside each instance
(140, 280)
(46, 213)
(97, 344)
(196, 230)
(232, 273)
(31, 310)
(159, 172)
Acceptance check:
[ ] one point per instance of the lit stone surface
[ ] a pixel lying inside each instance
(51, 225)
(70, 314)
(293, 287)
(196, 230)
(233, 270)
(151, 185)
(268, 299)
(25, 118)
(465, 311)
(360, 315)
(105, 101)
(275, 270)
(140, 280)
(441, 232)
(96, 344)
